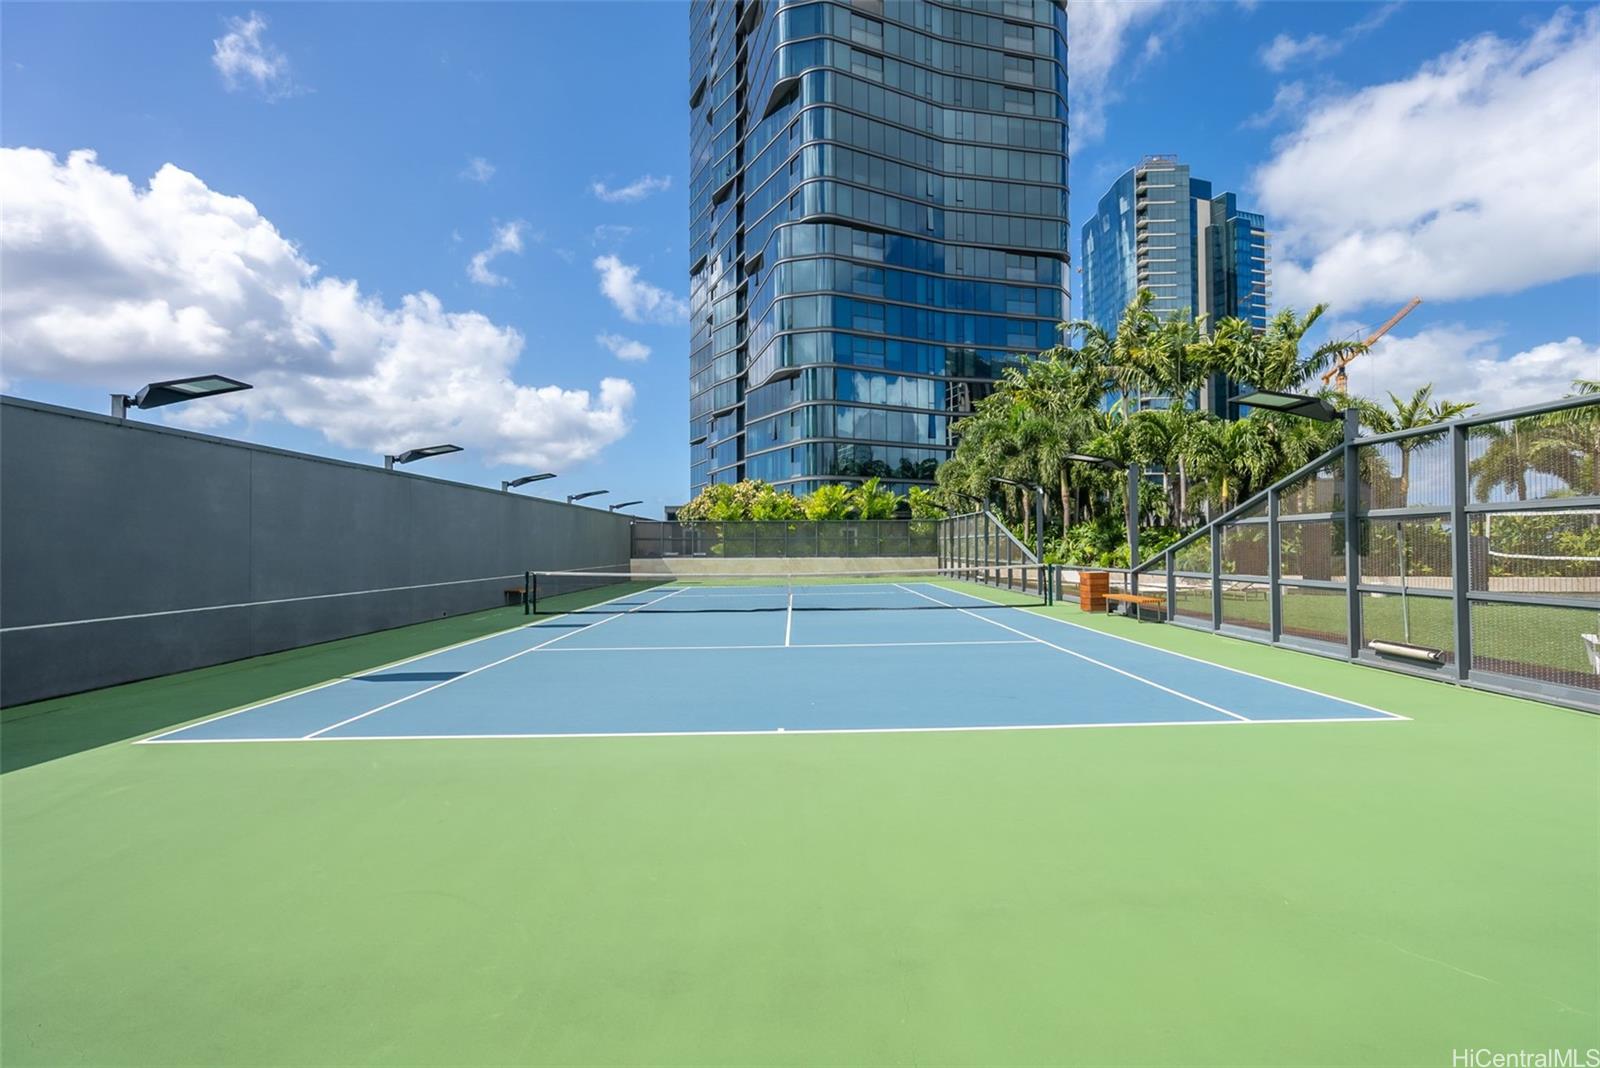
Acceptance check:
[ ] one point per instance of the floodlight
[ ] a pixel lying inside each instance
(524, 480)
(580, 496)
(1295, 404)
(418, 454)
(624, 504)
(1085, 458)
(174, 391)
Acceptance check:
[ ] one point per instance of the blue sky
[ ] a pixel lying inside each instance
(325, 178)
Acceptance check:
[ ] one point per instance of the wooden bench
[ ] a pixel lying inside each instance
(1138, 600)
(513, 595)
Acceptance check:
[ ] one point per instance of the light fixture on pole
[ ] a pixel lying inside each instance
(624, 504)
(1295, 404)
(423, 453)
(174, 391)
(571, 497)
(506, 487)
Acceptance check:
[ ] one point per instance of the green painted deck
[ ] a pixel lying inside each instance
(1311, 894)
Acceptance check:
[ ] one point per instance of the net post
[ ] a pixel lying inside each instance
(533, 593)
(527, 578)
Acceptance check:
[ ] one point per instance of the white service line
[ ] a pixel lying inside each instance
(486, 667)
(796, 645)
(784, 732)
(367, 671)
(788, 620)
(1080, 656)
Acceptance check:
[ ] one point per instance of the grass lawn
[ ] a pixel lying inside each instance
(1314, 894)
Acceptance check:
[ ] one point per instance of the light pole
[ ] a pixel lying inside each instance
(411, 455)
(571, 497)
(175, 391)
(1038, 512)
(507, 487)
(624, 504)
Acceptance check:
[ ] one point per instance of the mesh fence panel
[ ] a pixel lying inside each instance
(1195, 556)
(1312, 549)
(1244, 604)
(1537, 457)
(1413, 472)
(1313, 614)
(778, 538)
(1244, 549)
(1542, 643)
(1552, 552)
(1415, 552)
(1320, 491)
(1193, 600)
(1415, 619)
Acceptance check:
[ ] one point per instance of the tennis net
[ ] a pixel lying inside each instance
(737, 590)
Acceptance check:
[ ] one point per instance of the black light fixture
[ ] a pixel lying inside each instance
(418, 454)
(174, 391)
(1085, 458)
(624, 504)
(1296, 404)
(580, 496)
(506, 487)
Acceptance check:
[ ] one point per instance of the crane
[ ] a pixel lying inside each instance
(1336, 373)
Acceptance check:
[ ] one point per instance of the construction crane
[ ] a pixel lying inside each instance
(1336, 373)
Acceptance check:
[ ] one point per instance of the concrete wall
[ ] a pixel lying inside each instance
(100, 517)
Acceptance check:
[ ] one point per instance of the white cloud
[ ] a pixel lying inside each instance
(637, 189)
(610, 234)
(638, 301)
(624, 348)
(246, 59)
(507, 238)
(1284, 50)
(1287, 101)
(1101, 33)
(1478, 174)
(108, 283)
(478, 170)
(1466, 364)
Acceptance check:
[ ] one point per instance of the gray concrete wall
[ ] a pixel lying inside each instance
(100, 517)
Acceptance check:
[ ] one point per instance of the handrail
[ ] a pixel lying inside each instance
(1032, 559)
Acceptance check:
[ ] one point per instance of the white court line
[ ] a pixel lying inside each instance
(367, 671)
(796, 645)
(784, 732)
(788, 621)
(1032, 611)
(1224, 667)
(486, 667)
(1080, 656)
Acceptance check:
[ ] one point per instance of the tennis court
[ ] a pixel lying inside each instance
(960, 651)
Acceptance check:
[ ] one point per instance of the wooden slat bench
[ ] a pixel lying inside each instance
(1138, 600)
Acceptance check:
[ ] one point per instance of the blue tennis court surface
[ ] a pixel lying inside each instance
(697, 659)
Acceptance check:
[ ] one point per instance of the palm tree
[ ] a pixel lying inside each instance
(1418, 411)
(1272, 359)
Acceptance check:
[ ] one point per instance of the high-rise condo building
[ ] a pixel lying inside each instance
(1160, 229)
(877, 227)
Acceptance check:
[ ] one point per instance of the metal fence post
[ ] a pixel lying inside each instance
(1216, 576)
(1352, 531)
(1460, 553)
(1172, 587)
(1274, 570)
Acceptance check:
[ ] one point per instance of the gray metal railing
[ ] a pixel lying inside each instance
(1467, 550)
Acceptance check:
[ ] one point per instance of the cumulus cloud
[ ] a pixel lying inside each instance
(638, 189)
(247, 60)
(637, 300)
(1286, 103)
(1284, 50)
(1102, 31)
(507, 238)
(478, 170)
(624, 348)
(610, 234)
(107, 282)
(1479, 174)
(1466, 363)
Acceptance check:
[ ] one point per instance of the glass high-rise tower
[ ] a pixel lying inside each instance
(1159, 228)
(878, 226)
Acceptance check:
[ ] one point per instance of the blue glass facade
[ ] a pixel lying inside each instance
(878, 226)
(1159, 228)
